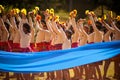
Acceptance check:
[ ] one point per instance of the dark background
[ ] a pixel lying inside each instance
(67, 5)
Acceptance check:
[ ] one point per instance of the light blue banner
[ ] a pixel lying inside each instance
(58, 59)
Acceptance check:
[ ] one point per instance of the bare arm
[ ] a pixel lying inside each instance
(31, 23)
(73, 23)
(21, 27)
(114, 26)
(4, 29)
(83, 31)
(3, 25)
(55, 28)
(94, 16)
(107, 26)
(13, 23)
(93, 23)
(10, 27)
(112, 23)
(67, 26)
(80, 23)
(63, 34)
(49, 26)
(18, 17)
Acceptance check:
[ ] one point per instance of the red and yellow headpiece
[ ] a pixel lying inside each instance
(86, 12)
(1, 8)
(24, 11)
(38, 17)
(118, 18)
(73, 13)
(47, 10)
(37, 8)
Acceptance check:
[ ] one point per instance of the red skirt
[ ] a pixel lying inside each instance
(52, 47)
(10, 42)
(43, 46)
(16, 47)
(32, 45)
(46, 46)
(5, 46)
(28, 49)
(2, 45)
(75, 44)
(58, 46)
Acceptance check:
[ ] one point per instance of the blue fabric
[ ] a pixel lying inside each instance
(58, 59)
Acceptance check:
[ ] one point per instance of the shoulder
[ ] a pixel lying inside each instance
(101, 32)
(47, 31)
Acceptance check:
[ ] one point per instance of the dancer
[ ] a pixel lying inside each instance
(96, 36)
(117, 58)
(75, 43)
(32, 42)
(16, 35)
(4, 45)
(107, 37)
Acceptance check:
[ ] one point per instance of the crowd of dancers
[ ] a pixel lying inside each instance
(36, 31)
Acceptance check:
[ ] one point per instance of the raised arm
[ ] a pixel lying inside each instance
(112, 23)
(32, 29)
(94, 16)
(73, 23)
(30, 23)
(93, 23)
(10, 27)
(83, 31)
(9, 23)
(5, 31)
(18, 18)
(67, 25)
(21, 26)
(55, 28)
(49, 25)
(63, 34)
(13, 23)
(107, 26)
(114, 26)
(3, 25)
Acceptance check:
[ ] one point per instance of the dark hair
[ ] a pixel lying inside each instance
(7, 25)
(86, 28)
(17, 22)
(44, 24)
(68, 33)
(104, 29)
(0, 14)
(98, 25)
(72, 30)
(118, 24)
(91, 29)
(27, 27)
(43, 21)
